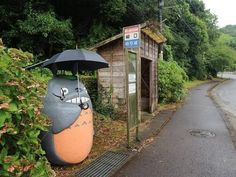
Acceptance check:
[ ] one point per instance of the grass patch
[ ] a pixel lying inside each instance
(191, 84)
(170, 106)
(187, 86)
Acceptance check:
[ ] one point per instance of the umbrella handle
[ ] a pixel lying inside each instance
(83, 106)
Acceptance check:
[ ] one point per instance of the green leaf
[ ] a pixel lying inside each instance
(3, 154)
(39, 170)
(34, 133)
(40, 127)
(3, 116)
(30, 112)
(13, 107)
(20, 142)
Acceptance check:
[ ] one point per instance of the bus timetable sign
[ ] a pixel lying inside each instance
(131, 36)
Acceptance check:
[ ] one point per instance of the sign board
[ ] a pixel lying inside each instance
(132, 90)
(133, 113)
(131, 36)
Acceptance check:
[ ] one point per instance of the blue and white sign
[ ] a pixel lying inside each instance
(131, 36)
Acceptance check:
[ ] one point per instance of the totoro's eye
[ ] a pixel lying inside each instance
(64, 91)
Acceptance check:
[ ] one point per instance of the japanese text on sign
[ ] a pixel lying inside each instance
(131, 36)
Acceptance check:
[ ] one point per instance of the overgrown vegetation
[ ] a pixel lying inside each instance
(47, 27)
(102, 100)
(190, 32)
(34, 26)
(103, 104)
(171, 82)
(193, 38)
(20, 117)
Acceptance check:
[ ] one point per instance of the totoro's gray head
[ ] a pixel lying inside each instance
(63, 102)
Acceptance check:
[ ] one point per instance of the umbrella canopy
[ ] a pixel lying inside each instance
(76, 60)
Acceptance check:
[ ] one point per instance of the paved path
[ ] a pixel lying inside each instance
(176, 153)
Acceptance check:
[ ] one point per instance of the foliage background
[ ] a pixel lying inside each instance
(48, 27)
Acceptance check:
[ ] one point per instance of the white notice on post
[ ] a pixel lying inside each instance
(132, 88)
(132, 77)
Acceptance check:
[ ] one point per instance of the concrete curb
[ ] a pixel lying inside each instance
(226, 116)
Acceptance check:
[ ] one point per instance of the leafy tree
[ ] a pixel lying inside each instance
(96, 20)
(43, 33)
(232, 43)
(229, 29)
(112, 11)
(222, 56)
(33, 26)
(190, 31)
(229, 36)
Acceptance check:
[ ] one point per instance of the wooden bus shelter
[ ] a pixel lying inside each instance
(117, 79)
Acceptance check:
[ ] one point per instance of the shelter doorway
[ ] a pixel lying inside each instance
(145, 85)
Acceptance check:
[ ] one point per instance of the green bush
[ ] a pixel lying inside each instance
(90, 82)
(101, 101)
(103, 104)
(20, 118)
(171, 82)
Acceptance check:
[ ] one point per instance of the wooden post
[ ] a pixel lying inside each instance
(138, 83)
(127, 94)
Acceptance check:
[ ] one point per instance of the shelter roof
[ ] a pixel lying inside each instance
(148, 28)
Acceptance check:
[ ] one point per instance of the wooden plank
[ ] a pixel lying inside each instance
(119, 79)
(118, 45)
(104, 79)
(118, 68)
(118, 52)
(104, 74)
(118, 63)
(104, 70)
(105, 84)
(122, 74)
(118, 58)
(106, 56)
(152, 49)
(151, 87)
(146, 46)
(119, 94)
(118, 84)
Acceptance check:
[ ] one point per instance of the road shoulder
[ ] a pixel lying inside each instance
(227, 116)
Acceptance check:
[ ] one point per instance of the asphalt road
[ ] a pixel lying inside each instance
(176, 153)
(225, 95)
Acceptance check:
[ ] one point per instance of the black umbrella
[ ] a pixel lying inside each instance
(75, 60)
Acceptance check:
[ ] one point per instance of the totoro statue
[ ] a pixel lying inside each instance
(70, 136)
